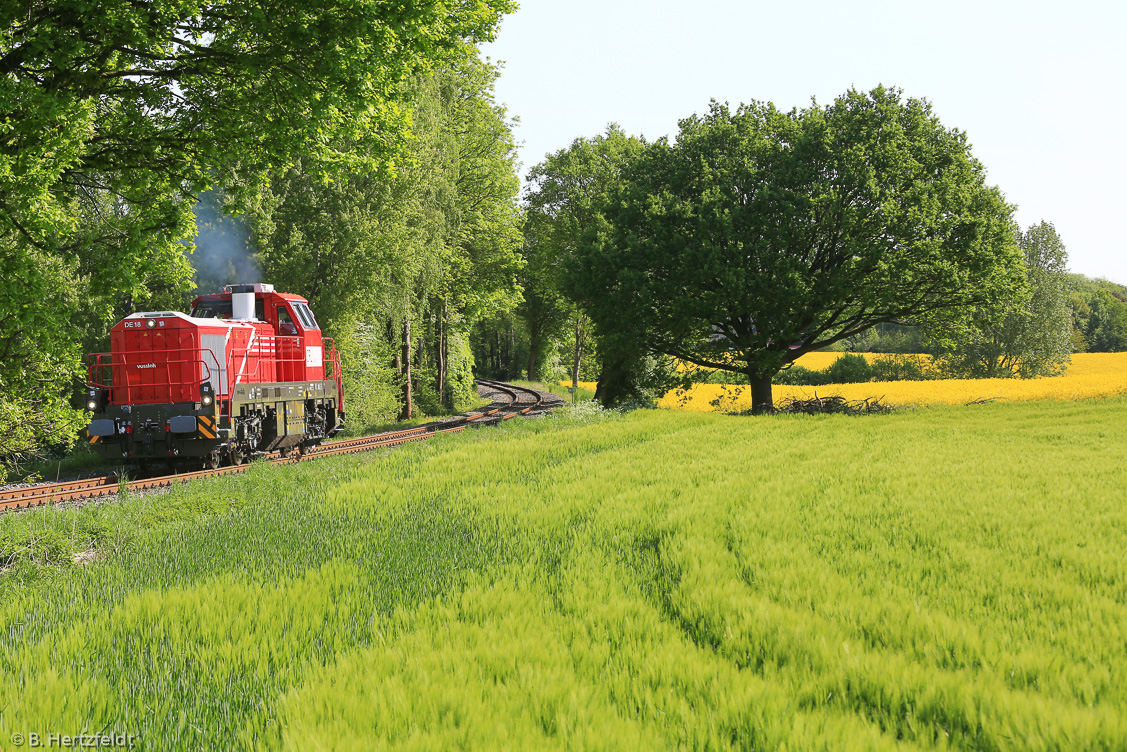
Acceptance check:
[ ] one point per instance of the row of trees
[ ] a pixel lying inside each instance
(117, 115)
(1099, 314)
(1090, 313)
(759, 235)
(370, 169)
(401, 267)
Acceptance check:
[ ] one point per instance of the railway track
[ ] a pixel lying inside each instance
(521, 401)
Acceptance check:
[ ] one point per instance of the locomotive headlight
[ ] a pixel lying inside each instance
(91, 404)
(151, 323)
(91, 399)
(206, 397)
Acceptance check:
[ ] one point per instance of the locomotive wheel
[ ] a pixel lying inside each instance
(236, 456)
(212, 461)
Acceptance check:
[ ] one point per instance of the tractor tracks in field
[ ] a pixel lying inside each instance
(507, 401)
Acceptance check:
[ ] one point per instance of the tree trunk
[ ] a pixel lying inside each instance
(393, 339)
(421, 359)
(443, 356)
(533, 349)
(531, 363)
(408, 409)
(761, 399)
(579, 338)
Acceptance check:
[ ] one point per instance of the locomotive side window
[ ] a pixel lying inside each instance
(212, 309)
(286, 326)
(221, 309)
(306, 316)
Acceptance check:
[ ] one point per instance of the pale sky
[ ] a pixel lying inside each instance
(1037, 86)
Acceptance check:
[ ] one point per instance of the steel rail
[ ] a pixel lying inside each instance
(511, 390)
(105, 485)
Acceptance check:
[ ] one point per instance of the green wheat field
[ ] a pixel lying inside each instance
(951, 578)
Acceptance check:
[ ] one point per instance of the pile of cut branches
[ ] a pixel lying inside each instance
(833, 404)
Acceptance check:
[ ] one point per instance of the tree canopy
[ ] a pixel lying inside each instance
(1034, 337)
(435, 246)
(1099, 315)
(565, 200)
(114, 114)
(760, 235)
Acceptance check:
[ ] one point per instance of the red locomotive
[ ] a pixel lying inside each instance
(246, 373)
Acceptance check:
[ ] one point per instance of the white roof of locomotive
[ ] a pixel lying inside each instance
(210, 321)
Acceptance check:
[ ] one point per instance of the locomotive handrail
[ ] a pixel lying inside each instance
(200, 364)
(333, 358)
(275, 347)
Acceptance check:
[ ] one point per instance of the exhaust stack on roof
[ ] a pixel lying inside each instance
(242, 301)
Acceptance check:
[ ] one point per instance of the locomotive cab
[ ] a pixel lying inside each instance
(245, 374)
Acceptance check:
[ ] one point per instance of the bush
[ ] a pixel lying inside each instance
(799, 376)
(902, 368)
(848, 369)
(371, 386)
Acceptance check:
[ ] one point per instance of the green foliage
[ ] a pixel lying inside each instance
(849, 369)
(461, 389)
(565, 199)
(795, 375)
(760, 230)
(630, 375)
(31, 426)
(371, 385)
(1035, 337)
(500, 347)
(116, 113)
(438, 244)
(646, 596)
(888, 338)
(150, 97)
(1099, 315)
(903, 368)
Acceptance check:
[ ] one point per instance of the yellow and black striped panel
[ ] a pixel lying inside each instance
(93, 439)
(205, 424)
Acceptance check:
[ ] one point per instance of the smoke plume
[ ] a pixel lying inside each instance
(224, 254)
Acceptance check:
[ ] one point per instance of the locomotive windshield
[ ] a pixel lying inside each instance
(306, 316)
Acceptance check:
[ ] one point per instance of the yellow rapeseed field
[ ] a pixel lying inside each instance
(1089, 375)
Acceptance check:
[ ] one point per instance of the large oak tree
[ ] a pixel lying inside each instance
(760, 235)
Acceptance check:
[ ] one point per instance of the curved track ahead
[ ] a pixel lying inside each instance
(521, 401)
